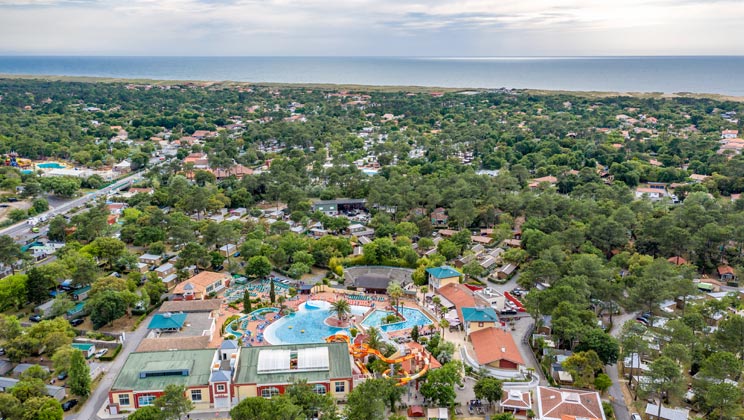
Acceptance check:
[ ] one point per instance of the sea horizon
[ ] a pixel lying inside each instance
(701, 74)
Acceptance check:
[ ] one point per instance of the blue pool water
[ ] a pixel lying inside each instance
(27, 171)
(308, 318)
(413, 317)
(311, 318)
(50, 165)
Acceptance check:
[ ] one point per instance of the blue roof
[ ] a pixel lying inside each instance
(443, 272)
(167, 321)
(77, 308)
(78, 292)
(479, 315)
(82, 346)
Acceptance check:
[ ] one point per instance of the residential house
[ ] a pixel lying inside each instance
(56, 392)
(652, 194)
(228, 250)
(558, 404)
(516, 402)
(729, 134)
(201, 285)
(537, 182)
(359, 230)
(495, 348)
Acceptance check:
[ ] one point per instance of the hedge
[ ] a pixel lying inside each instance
(111, 354)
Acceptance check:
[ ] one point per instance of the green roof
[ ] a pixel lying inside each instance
(78, 292)
(339, 365)
(443, 272)
(196, 363)
(77, 308)
(167, 321)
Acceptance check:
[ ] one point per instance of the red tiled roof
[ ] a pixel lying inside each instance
(725, 269)
(492, 344)
(677, 260)
(556, 403)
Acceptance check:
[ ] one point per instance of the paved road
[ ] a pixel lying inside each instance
(100, 394)
(616, 390)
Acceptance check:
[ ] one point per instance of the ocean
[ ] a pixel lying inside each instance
(707, 74)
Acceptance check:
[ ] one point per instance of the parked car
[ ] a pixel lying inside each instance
(2, 351)
(67, 405)
(642, 320)
(62, 376)
(100, 353)
(77, 321)
(635, 416)
(35, 318)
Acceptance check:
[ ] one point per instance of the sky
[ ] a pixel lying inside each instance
(451, 28)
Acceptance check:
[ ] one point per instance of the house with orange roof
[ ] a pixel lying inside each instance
(559, 404)
(201, 285)
(677, 260)
(545, 179)
(238, 171)
(726, 273)
(516, 402)
(495, 348)
(729, 134)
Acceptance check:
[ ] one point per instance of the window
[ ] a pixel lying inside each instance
(196, 395)
(220, 388)
(480, 324)
(144, 400)
(320, 389)
(124, 399)
(269, 392)
(340, 386)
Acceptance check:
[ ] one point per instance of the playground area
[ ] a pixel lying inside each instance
(259, 288)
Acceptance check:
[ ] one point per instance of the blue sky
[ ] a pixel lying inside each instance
(369, 28)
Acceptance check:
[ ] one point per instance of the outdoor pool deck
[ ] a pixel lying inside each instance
(376, 304)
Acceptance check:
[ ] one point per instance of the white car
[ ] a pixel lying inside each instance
(100, 353)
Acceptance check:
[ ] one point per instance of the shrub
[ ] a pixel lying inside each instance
(111, 354)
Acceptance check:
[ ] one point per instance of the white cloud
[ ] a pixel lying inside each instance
(371, 27)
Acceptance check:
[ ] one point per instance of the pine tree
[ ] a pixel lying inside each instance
(272, 292)
(246, 302)
(79, 375)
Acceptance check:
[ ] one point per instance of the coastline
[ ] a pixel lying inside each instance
(375, 88)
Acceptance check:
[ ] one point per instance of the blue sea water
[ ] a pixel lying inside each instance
(706, 74)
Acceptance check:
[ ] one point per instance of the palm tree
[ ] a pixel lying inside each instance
(373, 340)
(424, 290)
(444, 324)
(395, 292)
(341, 308)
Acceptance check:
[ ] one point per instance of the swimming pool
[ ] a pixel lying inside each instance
(413, 317)
(310, 318)
(50, 165)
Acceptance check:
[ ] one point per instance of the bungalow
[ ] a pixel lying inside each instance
(496, 348)
(506, 271)
(56, 392)
(22, 367)
(726, 273)
(359, 230)
(228, 250)
(442, 276)
(165, 270)
(201, 285)
(652, 412)
(150, 259)
(88, 349)
(439, 217)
